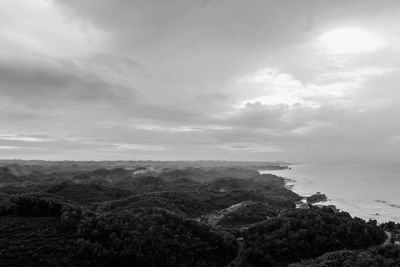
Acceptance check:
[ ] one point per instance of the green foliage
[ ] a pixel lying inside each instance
(152, 237)
(229, 198)
(7, 177)
(388, 256)
(36, 241)
(307, 234)
(208, 174)
(120, 217)
(248, 214)
(177, 202)
(143, 184)
(88, 193)
(17, 189)
(34, 205)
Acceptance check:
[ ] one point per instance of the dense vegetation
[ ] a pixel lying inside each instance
(388, 256)
(303, 234)
(88, 193)
(136, 237)
(159, 214)
(36, 241)
(178, 202)
(248, 214)
(150, 237)
(34, 205)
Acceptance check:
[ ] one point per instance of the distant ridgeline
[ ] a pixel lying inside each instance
(171, 214)
(24, 167)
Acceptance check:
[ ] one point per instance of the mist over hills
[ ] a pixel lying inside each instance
(26, 166)
(166, 214)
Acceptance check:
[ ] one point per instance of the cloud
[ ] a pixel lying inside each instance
(12, 147)
(38, 29)
(138, 147)
(196, 80)
(250, 148)
(51, 81)
(13, 137)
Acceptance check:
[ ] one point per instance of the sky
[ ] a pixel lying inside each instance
(295, 80)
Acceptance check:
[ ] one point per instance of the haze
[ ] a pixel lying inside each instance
(306, 80)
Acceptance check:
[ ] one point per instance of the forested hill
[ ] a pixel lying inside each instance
(388, 256)
(164, 216)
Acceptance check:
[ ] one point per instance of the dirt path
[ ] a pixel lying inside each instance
(388, 239)
(239, 256)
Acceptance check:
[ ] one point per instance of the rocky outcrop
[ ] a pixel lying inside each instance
(318, 197)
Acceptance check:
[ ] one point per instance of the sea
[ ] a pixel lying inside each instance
(365, 190)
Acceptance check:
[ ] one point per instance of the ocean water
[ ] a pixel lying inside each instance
(368, 191)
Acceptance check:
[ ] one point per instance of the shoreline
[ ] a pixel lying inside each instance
(366, 209)
(290, 184)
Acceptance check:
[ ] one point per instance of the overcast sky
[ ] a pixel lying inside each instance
(296, 80)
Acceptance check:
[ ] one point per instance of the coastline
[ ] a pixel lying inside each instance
(289, 183)
(357, 205)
